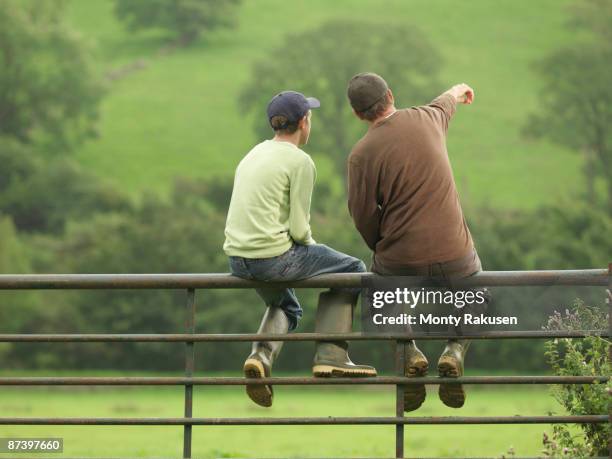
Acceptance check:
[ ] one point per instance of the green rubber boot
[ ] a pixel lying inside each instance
(335, 315)
(450, 365)
(259, 363)
(416, 366)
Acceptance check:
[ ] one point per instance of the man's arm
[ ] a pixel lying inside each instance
(443, 107)
(300, 195)
(363, 205)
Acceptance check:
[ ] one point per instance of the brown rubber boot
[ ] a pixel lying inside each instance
(335, 315)
(416, 366)
(259, 363)
(450, 365)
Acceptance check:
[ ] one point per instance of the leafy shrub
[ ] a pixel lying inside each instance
(580, 357)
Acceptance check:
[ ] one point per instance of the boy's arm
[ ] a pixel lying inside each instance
(300, 195)
(363, 205)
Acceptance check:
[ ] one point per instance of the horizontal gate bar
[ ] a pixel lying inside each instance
(291, 381)
(377, 457)
(222, 280)
(585, 419)
(419, 457)
(236, 337)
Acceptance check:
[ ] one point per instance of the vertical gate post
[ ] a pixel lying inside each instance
(189, 367)
(400, 360)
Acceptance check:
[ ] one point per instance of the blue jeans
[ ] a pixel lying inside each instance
(299, 262)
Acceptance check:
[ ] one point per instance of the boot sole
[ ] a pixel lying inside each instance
(452, 395)
(414, 394)
(327, 371)
(261, 394)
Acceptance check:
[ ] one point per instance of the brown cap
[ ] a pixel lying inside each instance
(365, 89)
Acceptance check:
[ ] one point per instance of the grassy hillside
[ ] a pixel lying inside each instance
(178, 115)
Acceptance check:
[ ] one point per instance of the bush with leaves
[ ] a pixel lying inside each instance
(580, 357)
(565, 235)
(41, 196)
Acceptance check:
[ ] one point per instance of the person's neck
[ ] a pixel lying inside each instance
(291, 138)
(386, 114)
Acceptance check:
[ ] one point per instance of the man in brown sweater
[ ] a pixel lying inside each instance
(404, 202)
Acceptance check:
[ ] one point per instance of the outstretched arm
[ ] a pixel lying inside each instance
(443, 107)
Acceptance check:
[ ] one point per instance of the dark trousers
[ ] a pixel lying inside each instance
(447, 272)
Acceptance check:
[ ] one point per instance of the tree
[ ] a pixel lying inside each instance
(41, 197)
(320, 63)
(187, 19)
(576, 99)
(48, 89)
(564, 235)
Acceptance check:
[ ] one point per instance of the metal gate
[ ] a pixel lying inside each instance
(192, 282)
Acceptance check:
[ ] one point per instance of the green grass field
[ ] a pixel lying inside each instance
(275, 441)
(178, 115)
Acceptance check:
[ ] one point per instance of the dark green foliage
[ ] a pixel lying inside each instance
(13, 254)
(15, 307)
(49, 92)
(215, 192)
(186, 19)
(580, 357)
(41, 196)
(569, 235)
(320, 63)
(18, 162)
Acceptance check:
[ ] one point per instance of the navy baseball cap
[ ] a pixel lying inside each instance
(292, 105)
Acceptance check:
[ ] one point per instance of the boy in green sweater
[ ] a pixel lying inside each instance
(268, 238)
